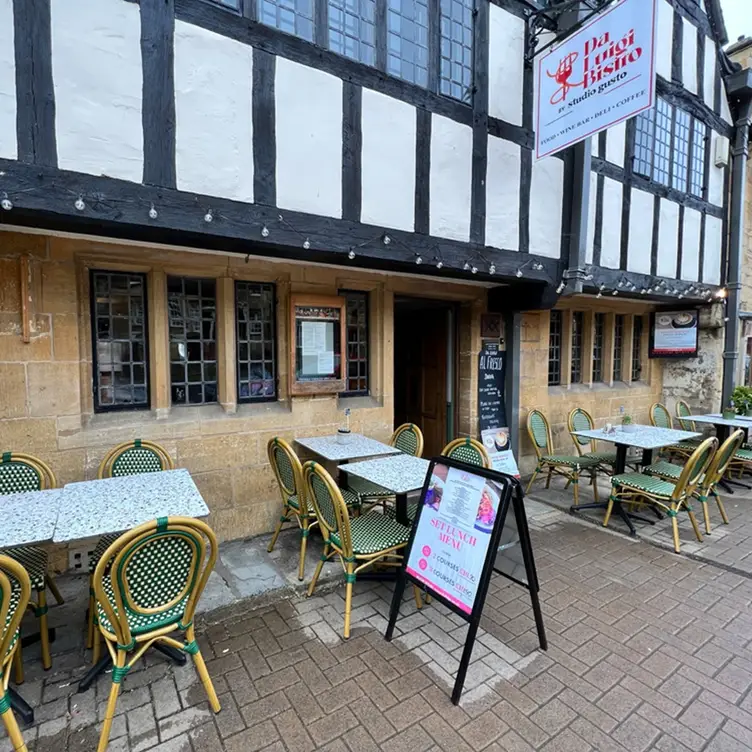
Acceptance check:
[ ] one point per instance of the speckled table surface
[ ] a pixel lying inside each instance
(354, 447)
(112, 505)
(719, 420)
(399, 474)
(643, 437)
(29, 517)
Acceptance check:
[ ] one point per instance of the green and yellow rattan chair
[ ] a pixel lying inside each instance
(581, 420)
(672, 498)
(408, 438)
(568, 466)
(129, 458)
(708, 486)
(15, 591)
(467, 450)
(147, 586)
(18, 473)
(660, 417)
(359, 542)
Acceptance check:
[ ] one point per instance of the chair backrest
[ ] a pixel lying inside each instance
(660, 417)
(720, 462)
(288, 470)
(328, 504)
(408, 438)
(683, 411)
(23, 472)
(135, 457)
(694, 469)
(539, 432)
(581, 420)
(157, 569)
(15, 591)
(467, 450)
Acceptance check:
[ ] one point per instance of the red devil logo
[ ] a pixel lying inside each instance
(562, 75)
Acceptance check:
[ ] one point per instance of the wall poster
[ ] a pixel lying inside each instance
(674, 334)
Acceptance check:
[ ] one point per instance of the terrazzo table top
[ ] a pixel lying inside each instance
(357, 446)
(29, 517)
(400, 474)
(111, 505)
(717, 419)
(644, 437)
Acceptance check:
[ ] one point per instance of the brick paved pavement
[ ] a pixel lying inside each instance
(648, 650)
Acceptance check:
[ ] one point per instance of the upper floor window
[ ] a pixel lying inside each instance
(293, 16)
(121, 378)
(670, 148)
(356, 353)
(554, 349)
(351, 29)
(456, 72)
(255, 340)
(407, 40)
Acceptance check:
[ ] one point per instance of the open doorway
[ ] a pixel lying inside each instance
(425, 368)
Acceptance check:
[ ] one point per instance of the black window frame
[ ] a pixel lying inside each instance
(363, 294)
(619, 325)
(636, 363)
(275, 344)
(98, 407)
(577, 347)
(599, 341)
(555, 347)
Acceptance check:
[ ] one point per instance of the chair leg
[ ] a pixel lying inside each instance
(418, 599)
(319, 567)
(303, 544)
(675, 531)
(695, 526)
(97, 647)
(576, 488)
(18, 664)
(548, 477)
(104, 738)
(203, 674)
(52, 585)
(91, 620)
(609, 509)
(532, 478)
(349, 579)
(595, 487)
(278, 530)
(14, 732)
(44, 630)
(721, 508)
(705, 514)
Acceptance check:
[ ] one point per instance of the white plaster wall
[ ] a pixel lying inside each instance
(664, 39)
(615, 144)
(96, 67)
(709, 72)
(611, 239)
(308, 107)
(503, 194)
(8, 147)
(689, 56)
(668, 239)
(506, 57)
(388, 162)
(546, 198)
(691, 249)
(592, 206)
(214, 126)
(725, 112)
(716, 175)
(451, 178)
(711, 267)
(640, 247)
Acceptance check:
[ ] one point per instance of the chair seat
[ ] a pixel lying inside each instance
(102, 545)
(412, 510)
(608, 458)
(34, 561)
(684, 446)
(664, 470)
(365, 489)
(641, 482)
(374, 532)
(140, 623)
(569, 460)
(745, 455)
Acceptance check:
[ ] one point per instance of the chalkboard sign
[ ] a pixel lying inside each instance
(470, 523)
(491, 412)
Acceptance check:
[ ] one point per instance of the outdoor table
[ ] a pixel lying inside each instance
(400, 475)
(114, 505)
(28, 518)
(356, 446)
(646, 438)
(723, 428)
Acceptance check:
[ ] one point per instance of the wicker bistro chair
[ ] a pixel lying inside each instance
(467, 450)
(669, 497)
(15, 591)
(129, 458)
(568, 466)
(708, 486)
(19, 473)
(358, 542)
(147, 586)
(408, 438)
(660, 417)
(581, 420)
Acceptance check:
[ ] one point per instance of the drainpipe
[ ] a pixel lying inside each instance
(739, 87)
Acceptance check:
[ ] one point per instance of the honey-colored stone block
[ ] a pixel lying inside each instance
(28, 434)
(59, 288)
(10, 287)
(65, 336)
(12, 390)
(53, 389)
(217, 452)
(216, 487)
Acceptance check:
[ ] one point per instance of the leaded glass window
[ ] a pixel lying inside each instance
(682, 125)
(293, 16)
(356, 325)
(578, 325)
(119, 331)
(697, 166)
(407, 40)
(192, 318)
(599, 333)
(352, 30)
(256, 345)
(618, 344)
(662, 146)
(637, 349)
(554, 349)
(456, 74)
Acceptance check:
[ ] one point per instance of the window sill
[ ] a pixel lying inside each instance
(600, 386)
(364, 402)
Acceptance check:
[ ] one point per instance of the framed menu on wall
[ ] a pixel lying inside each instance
(674, 334)
(318, 334)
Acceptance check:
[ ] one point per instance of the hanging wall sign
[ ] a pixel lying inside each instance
(674, 334)
(491, 412)
(455, 543)
(597, 77)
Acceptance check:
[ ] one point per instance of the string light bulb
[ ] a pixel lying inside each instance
(387, 240)
(466, 266)
(209, 216)
(643, 291)
(79, 204)
(264, 232)
(306, 244)
(418, 260)
(560, 288)
(6, 203)
(351, 255)
(518, 273)
(439, 264)
(615, 292)
(721, 293)
(474, 269)
(153, 213)
(492, 269)
(538, 266)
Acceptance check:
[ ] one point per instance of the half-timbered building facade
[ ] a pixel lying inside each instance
(173, 173)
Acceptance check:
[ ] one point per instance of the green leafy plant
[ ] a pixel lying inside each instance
(626, 420)
(741, 400)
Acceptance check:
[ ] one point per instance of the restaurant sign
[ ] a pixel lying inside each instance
(674, 334)
(599, 76)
